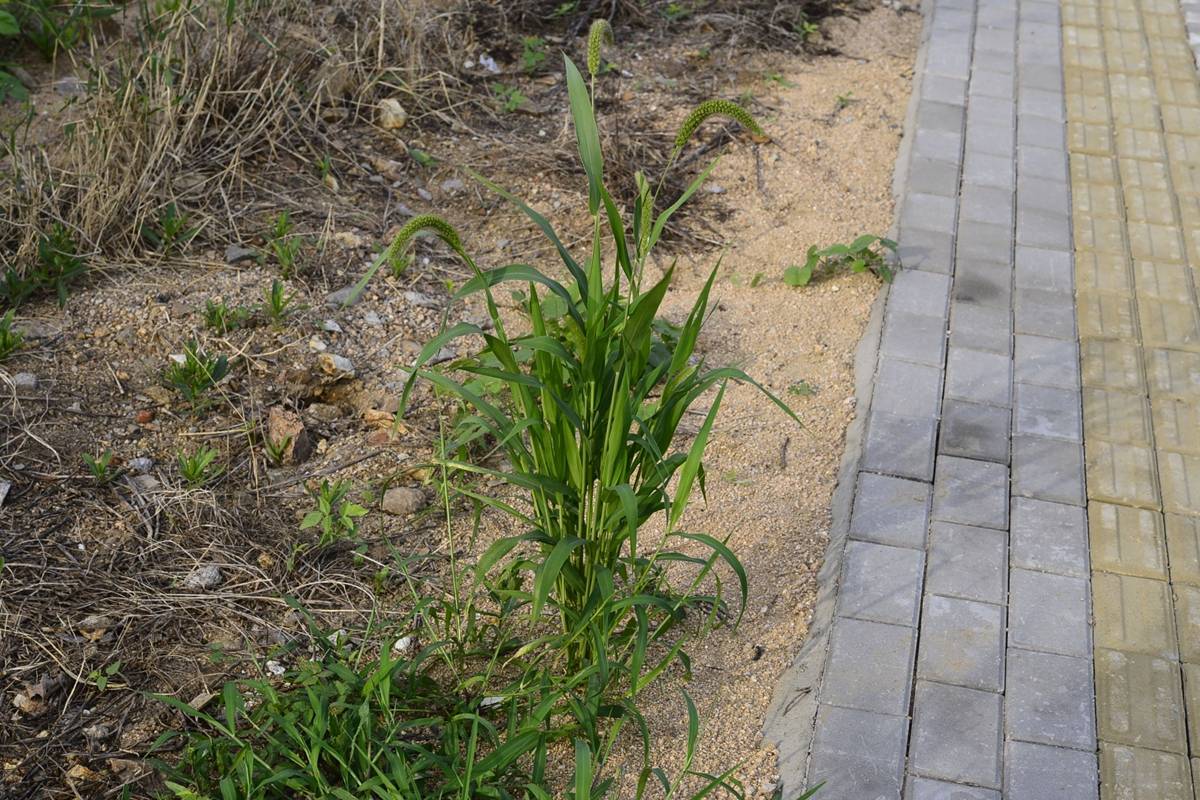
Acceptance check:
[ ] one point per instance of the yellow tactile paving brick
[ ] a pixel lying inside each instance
(1173, 372)
(1102, 234)
(1106, 315)
(1122, 473)
(1112, 365)
(1143, 144)
(1140, 701)
(1133, 113)
(1097, 200)
(1176, 424)
(1108, 272)
(1134, 615)
(1128, 541)
(1121, 19)
(1117, 417)
(1187, 622)
(1160, 280)
(1079, 38)
(1149, 175)
(1183, 148)
(1191, 688)
(1088, 58)
(1136, 773)
(1093, 169)
(1143, 204)
(1169, 324)
(1091, 137)
(1180, 119)
(1162, 26)
(1180, 477)
(1076, 15)
(1158, 242)
(1179, 91)
(1183, 549)
(1186, 178)
(1127, 55)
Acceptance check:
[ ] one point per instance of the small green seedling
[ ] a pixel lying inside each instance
(100, 466)
(170, 232)
(223, 318)
(198, 468)
(100, 677)
(10, 340)
(779, 80)
(844, 100)
(802, 389)
(806, 28)
(57, 266)
(197, 373)
(285, 245)
(509, 97)
(278, 302)
(334, 514)
(864, 253)
(276, 450)
(533, 52)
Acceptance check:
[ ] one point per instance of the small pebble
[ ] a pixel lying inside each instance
(25, 381)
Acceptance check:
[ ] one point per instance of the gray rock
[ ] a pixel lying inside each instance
(341, 297)
(452, 185)
(25, 381)
(235, 254)
(5, 486)
(203, 578)
(443, 355)
(336, 366)
(424, 194)
(331, 326)
(141, 464)
(403, 500)
(372, 319)
(70, 85)
(422, 300)
(31, 330)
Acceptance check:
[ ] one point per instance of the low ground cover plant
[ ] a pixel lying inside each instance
(867, 252)
(515, 676)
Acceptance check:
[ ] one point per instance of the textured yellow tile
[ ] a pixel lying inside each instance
(1180, 474)
(1137, 143)
(1105, 315)
(1155, 6)
(1183, 549)
(1189, 211)
(1173, 64)
(1162, 280)
(1186, 178)
(1132, 86)
(1180, 119)
(1169, 324)
(1077, 37)
(1129, 541)
(1159, 27)
(1176, 424)
(1122, 473)
(1139, 701)
(1087, 137)
(1093, 169)
(1133, 615)
(1116, 417)
(1187, 622)
(1100, 234)
(1150, 175)
(1078, 15)
(1136, 773)
(1126, 53)
(1120, 19)
(1134, 113)
(1107, 272)
(1112, 365)
(1149, 205)
(1097, 200)
(1191, 693)
(1161, 242)
(1183, 148)
(1179, 91)
(1084, 58)
(1173, 372)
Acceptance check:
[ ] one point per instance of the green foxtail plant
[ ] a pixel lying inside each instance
(586, 417)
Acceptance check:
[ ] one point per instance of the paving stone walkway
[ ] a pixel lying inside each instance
(1011, 607)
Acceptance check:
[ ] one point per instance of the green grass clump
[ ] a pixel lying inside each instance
(867, 252)
(196, 374)
(10, 340)
(548, 639)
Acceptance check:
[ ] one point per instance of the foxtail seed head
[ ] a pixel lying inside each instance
(439, 226)
(600, 33)
(710, 108)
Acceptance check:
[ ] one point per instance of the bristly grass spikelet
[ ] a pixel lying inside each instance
(422, 222)
(600, 34)
(715, 108)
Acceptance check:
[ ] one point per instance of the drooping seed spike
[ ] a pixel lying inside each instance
(601, 33)
(711, 108)
(444, 231)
